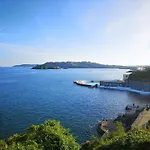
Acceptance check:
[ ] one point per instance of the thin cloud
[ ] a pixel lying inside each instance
(132, 33)
(24, 49)
(119, 35)
(126, 37)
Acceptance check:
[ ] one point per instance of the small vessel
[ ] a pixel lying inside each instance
(99, 128)
(106, 126)
(93, 86)
(130, 107)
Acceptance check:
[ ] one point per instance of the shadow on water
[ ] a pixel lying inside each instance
(139, 98)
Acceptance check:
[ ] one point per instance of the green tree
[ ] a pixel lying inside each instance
(135, 139)
(48, 136)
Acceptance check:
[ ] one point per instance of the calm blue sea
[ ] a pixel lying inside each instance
(32, 96)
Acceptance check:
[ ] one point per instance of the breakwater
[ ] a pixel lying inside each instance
(126, 89)
(87, 83)
(141, 88)
(138, 85)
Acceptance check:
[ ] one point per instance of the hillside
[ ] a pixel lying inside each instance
(70, 64)
(45, 67)
(25, 65)
(138, 75)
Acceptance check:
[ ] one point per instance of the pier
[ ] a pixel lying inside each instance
(134, 117)
(111, 85)
(106, 126)
(142, 120)
(91, 84)
(126, 84)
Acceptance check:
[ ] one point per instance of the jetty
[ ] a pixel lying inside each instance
(143, 119)
(110, 85)
(106, 126)
(90, 84)
(128, 83)
(129, 117)
(134, 117)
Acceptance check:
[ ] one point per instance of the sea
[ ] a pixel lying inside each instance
(30, 97)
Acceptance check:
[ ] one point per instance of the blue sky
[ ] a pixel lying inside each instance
(103, 31)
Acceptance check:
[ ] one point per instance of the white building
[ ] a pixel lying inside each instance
(126, 76)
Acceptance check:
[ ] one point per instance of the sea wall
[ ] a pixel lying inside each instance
(113, 83)
(142, 86)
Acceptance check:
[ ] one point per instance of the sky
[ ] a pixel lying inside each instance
(104, 31)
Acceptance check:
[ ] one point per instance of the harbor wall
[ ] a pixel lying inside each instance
(142, 86)
(112, 83)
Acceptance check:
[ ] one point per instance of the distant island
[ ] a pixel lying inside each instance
(26, 65)
(72, 64)
(45, 67)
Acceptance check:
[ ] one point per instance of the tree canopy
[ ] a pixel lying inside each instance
(52, 136)
(140, 75)
(48, 136)
(135, 139)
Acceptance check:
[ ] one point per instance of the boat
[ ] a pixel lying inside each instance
(106, 126)
(93, 86)
(130, 107)
(99, 128)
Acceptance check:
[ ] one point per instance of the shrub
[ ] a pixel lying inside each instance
(132, 140)
(48, 136)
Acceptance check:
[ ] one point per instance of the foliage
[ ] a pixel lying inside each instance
(132, 140)
(45, 67)
(48, 136)
(3, 145)
(52, 136)
(143, 75)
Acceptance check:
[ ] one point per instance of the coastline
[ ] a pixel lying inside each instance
(126, 89)
(92, 83)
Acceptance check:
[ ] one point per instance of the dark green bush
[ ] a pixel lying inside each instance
(52, 136)
(48, 136)
(132, 140)
(140, 76)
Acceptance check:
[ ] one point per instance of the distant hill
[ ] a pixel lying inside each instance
(45, 67)
(83, 64)
(26, 65)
